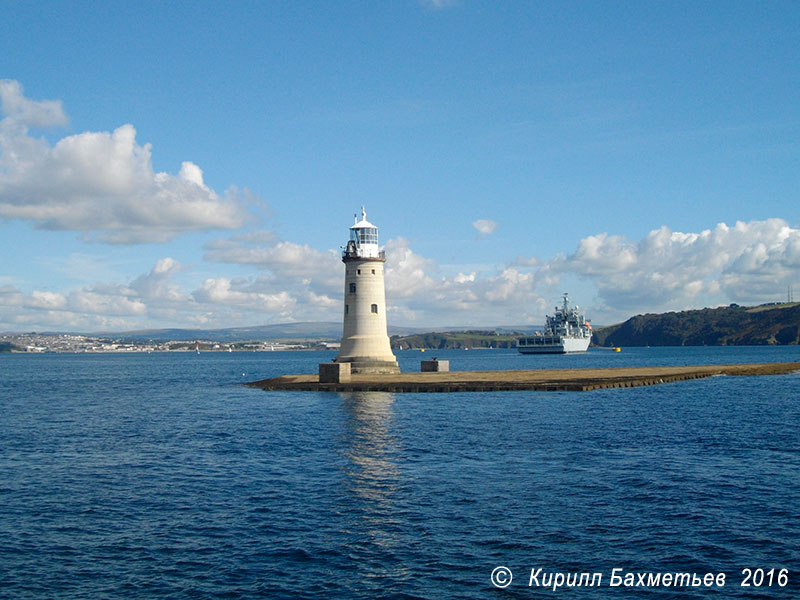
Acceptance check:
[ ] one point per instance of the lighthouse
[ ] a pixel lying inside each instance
(365, 341)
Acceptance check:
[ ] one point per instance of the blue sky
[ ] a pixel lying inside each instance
(198, 164)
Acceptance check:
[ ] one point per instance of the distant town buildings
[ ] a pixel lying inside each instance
(64, 342)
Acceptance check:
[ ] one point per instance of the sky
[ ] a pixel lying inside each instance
(198, 164)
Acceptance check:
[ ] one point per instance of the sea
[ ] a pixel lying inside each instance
(162, 476)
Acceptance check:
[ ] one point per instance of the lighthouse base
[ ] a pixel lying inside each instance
(367, 365)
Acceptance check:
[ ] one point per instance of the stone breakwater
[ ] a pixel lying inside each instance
(561, 380)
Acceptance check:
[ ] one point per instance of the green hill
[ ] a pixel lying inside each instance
(455, 340)
(728, 326)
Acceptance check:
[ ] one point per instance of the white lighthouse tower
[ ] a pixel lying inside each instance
(365, 341)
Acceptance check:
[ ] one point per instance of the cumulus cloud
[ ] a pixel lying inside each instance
(296, 267)
(21, 110)
(417, 292)
(243, 292)
(285, 258)
(407, 274)
(100, 306)
(746, 263)
(157, 284)
(484, 227)
(296, 283)
(78, 308)
(104, 303)
(99, 183)
(48, 300)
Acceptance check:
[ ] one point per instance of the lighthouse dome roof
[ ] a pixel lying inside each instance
(363, 223)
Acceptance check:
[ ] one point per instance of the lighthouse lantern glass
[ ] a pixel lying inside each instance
(364, 235)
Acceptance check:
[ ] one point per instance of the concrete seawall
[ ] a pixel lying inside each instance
(570, 380)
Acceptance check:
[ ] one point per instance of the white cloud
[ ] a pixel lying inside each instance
(48, 300)
(405, 275)
(415, 289)
(157, 285)
(105, 303)
(416, 292)
(242, 292)
(484, 226)
(98, 306)
(99, 183)
(323, 302)
(14, 104)
(287, 263)
(299, 283)
(301, 287)
(166, 266)
(60, 310)
(603, 254)
(747, 263)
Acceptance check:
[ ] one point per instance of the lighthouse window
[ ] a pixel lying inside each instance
(375, 308)
(373, 271)
(368, 235)
(346, 309)
(352, 288)
(358, 271)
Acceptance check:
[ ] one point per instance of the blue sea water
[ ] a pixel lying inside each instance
(161, 476)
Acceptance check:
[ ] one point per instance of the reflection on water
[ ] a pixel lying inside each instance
(370, 447)
(372, 474)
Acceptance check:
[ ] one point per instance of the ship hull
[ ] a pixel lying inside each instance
(563, 346)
